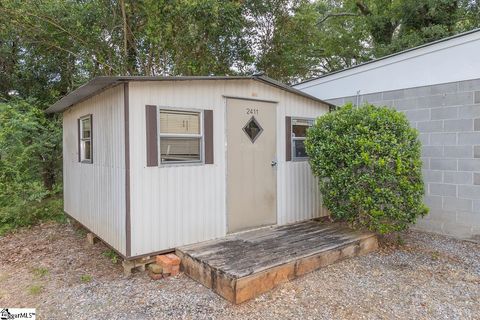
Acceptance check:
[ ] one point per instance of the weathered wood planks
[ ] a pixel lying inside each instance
(244, 265)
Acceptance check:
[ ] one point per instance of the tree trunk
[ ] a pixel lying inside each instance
(130, 53)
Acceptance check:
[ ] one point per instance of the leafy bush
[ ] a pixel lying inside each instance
(28, 213)
(35, 289)
(86, 278)
(368, 163)
(40, 272)
(112, 255)
(30, 165)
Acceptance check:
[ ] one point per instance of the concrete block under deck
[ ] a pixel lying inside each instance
(242, 266)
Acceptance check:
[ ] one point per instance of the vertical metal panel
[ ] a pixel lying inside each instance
(94, 194)
(126, 130)
(180, 204)
(174, 205)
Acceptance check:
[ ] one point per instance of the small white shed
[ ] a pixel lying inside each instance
(153, 163)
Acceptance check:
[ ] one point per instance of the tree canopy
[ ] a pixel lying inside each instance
(49, 47)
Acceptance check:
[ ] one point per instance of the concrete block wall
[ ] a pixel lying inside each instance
(448, 119)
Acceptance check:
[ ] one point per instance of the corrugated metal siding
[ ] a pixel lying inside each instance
(299, 195)
(178, 205)
(175, 205)
(94, 194)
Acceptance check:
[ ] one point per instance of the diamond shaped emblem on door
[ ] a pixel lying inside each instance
(252, 129)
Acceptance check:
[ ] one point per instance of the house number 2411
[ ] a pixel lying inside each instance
(252, 111)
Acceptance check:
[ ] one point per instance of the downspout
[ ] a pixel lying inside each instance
(358, 99)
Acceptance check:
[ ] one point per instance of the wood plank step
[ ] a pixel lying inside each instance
(242, 266)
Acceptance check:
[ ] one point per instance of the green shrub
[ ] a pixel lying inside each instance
(35, 289)
(28, 213)
(112, 255)
(40, 272)
(368, 163)
(30, 165)
(86, 278)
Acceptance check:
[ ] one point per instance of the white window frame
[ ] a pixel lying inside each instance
(180, 135)
(295, 158)
(81, 139)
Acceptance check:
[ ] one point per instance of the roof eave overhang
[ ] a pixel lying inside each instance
(99, 84)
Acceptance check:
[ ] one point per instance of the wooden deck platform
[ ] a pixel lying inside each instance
(244, 265)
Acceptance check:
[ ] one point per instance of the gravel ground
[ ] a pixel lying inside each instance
(426, 277)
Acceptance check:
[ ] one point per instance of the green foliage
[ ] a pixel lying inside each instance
(80, 231)
(401, 24)
(28, 213)
(50, 47)
(86, 278)
(30, 151)
(400, 241)
(35, 289)
(368, 163)
(30, 165)
(40, 272)
(304, 40)
(67, 42)
(112, 255)
(343, 36)
(283, 39)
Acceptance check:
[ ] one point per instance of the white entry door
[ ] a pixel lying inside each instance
(251, 164)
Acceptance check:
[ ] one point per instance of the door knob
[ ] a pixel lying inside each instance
(274, 163)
